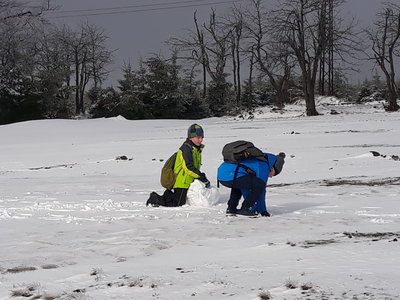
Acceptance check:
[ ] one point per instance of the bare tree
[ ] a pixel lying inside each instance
(235, 21)
(18, 60)
(273, 58)
(14, 9)
(193, 49)
(74, 43)
(385, 39)
(249, 100)
(88, 58)
(54, 72)
(200, 53)
(18, 37)
(217, 52)
(299, 26)
(209, 46)
(99, 55)
(217, 48)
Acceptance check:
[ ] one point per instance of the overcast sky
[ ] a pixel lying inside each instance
(140, 27)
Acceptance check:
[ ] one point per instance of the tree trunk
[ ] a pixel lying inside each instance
(250, 88)
(77, 93)
(391, 80)
(204, 81)
(309, 96)
(239, 89)
(282, 92)
(280, 95)
(392, 97)
(235, 82)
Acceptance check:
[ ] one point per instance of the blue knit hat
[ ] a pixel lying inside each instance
(195, 131)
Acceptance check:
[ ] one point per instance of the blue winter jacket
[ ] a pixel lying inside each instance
(226, 172)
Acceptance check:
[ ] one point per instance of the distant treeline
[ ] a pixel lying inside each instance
(251, 56)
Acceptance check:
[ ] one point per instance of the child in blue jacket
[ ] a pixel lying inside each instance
(249, 179)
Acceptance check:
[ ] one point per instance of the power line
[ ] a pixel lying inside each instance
(139, 10)
(129, 6)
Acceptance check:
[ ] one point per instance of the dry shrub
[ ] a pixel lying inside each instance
(264, 296)
(98, 273)
(136, 283)
(21, 293)
(21, 269)
(306, 286)
(24, 292)
(49, 266)
(290, 284)
(153, 285)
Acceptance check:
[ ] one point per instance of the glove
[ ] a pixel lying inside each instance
(204, 180)
(203, 177)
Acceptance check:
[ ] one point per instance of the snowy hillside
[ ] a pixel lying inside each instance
(74, 224)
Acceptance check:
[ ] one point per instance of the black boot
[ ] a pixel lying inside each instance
(246, 212)
(154, 200)
(265, 214)
(231, 211)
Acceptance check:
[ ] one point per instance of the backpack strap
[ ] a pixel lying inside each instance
(246, 168)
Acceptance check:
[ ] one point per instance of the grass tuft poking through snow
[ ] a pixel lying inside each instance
(264, 296)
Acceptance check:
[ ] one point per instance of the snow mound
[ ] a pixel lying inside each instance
(323, 100)
(199, 195)
(118, 118)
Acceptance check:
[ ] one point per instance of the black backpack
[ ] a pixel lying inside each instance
(237, 151)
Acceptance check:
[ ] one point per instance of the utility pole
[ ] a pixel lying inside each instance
(326, 67)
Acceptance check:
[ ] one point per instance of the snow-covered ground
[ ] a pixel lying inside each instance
(74, 225)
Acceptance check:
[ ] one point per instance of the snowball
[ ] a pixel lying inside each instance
(199, 195)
